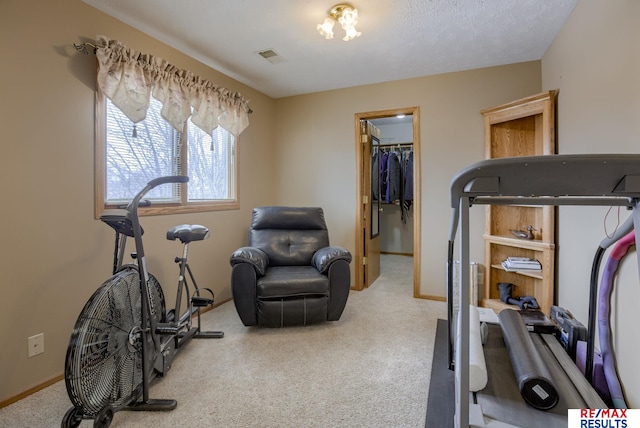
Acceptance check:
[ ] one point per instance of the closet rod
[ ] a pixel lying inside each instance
(396, 145)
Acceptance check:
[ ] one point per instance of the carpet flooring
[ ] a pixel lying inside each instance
(369, 369)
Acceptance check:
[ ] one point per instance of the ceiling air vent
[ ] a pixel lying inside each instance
(272, 56)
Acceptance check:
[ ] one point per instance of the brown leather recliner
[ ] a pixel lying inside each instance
(289, 274)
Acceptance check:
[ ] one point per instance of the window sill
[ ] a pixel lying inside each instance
(167, 209)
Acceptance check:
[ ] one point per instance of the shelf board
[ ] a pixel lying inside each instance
(537, 274)
(523, 127)
(530, 244)
(497, 305)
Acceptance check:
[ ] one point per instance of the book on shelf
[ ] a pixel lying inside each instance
(521, 263)
(521, 259)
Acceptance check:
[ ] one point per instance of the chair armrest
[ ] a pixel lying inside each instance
(324, 257)
(254, 256)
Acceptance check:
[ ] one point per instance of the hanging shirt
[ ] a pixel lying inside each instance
(408, 177)
(393, 178)
(383, 174)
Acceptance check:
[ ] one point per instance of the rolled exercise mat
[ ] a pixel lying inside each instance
(532, 375)
(477, 365)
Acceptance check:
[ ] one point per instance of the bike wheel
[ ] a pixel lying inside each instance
(103, 418)
(103, 365)
(71, 419)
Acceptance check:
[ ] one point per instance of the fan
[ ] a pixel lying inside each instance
(103, 367)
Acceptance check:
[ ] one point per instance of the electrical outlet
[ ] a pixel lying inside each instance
(35, 344)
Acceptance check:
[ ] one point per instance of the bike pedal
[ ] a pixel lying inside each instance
(201, 302)
(167, 328)
(209, 335)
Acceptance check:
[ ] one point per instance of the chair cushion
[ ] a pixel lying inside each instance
(292, 281)
(289, 247)
(289, 236)
(275, 217)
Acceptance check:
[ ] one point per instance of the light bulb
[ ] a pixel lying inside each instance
(348, 19)
(350, 33)
(326, 28)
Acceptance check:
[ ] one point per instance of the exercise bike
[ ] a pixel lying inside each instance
(124, 337)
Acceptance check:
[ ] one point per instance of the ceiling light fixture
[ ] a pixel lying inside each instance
(347, 16)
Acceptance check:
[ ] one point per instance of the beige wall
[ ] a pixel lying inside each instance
(298, 150)
(594, 62)
(54, 254)
(317, 150)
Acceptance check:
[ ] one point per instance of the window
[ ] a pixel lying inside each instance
(128, 156)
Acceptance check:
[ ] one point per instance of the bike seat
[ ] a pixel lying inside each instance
(187, 233)
(120, 220)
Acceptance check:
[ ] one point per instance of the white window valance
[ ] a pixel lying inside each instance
(128, 78)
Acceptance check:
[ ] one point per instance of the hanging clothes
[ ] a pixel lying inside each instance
(408, 179)
(406, 199)
(394, 178)
(384, 157)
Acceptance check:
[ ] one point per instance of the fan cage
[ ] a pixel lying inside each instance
(104, 359)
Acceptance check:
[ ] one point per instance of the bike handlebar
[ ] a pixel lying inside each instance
(133, 205)
(168, 179)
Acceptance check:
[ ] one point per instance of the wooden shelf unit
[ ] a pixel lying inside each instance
(525, 127)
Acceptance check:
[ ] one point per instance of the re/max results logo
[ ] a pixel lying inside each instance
(604, 418)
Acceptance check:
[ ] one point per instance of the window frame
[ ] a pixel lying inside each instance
(184, 206)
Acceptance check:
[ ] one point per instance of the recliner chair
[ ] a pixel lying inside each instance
(289, 274)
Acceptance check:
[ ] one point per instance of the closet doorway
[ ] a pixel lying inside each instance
(375, 202)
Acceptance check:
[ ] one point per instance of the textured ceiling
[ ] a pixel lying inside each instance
(400, 38)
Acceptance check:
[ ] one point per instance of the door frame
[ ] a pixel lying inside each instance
(360, 192)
